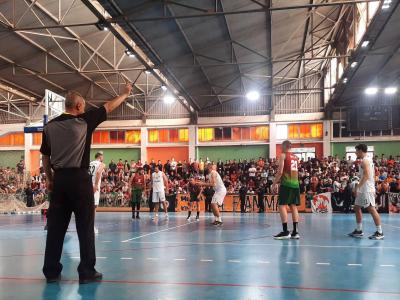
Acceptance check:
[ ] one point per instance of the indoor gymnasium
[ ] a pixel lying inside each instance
(199, 149)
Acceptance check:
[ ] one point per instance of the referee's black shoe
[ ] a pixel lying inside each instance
(93, 278)
(53, 279)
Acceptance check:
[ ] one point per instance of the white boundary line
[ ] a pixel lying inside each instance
(269, 244)
(397, 227)
(155, 232)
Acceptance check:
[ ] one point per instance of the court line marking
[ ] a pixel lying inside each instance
(233, 261)
(397, 227)
(179, 259)
(292, 262)
(323, 263)
(354, 265)
(126, 258)
(152, 258)
(387, 265)
(301, 288)
(155, 232)
(206, 260)
(106, 241)
(270, 244)
(263, 262)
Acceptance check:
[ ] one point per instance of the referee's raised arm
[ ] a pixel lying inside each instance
(66, 156)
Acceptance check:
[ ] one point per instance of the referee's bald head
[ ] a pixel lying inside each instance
(74, 103)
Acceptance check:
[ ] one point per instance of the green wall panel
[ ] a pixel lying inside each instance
(387, 148)
(233, 152)
(115, 154)
(10, 158)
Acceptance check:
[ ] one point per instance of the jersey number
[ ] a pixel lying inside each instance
(293, 165)
(91, 170)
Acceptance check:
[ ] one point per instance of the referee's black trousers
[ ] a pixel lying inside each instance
(72, 192)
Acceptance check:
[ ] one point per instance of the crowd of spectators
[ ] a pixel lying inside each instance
(15, 181)
(12, 179)
(254, 176)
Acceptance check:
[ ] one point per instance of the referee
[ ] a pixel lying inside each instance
(65, 154)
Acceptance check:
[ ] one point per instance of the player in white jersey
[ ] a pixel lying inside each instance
(159, 182)
(96, 169)
(365, 195)
(215, 181)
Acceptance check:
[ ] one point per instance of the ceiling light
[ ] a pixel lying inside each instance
(168, 99)
(129, 53)
(365, 44)
(345, 80)
(163, 87)
(147, 72)
(102, 26)
(371, 91)
(390, 90)
(353, 64)
(253, 95)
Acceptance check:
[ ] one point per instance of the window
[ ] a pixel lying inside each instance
(132, 137)
(227, 133)
(153, 136)
(236, 133)
(260, 133)
(37, 138)
(117, 137)
(206, 134)
(173, 135)
(254, 133)
(166, 135)
(218, 134)
(12, 139)
(305, 131)
(317, 130)
(183, 134)
(246, 133)
(163, 135)
(281, 132)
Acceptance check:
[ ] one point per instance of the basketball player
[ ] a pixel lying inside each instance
(194, 191)
(137, 185)
(159, 182)
(96, 169)
(217, 184)
(289, 191)
(365, 195)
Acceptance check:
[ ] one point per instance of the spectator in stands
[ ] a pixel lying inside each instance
(112, 166)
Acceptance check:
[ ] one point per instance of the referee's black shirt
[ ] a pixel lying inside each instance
(67, 138)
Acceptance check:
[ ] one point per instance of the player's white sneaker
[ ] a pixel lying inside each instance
(96, 230)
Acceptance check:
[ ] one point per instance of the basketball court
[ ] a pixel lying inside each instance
(175, 259)
(240, 104)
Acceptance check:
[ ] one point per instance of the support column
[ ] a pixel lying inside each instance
(143, 144)
(27, 151)
(327, 138)
(192, 142)
(272, 140)
(270, 71)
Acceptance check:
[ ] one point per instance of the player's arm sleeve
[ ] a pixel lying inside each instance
(95, 117)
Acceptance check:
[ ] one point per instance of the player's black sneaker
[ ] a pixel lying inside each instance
(295, 235)
(282, 235)
(356, 234)
(376, 236)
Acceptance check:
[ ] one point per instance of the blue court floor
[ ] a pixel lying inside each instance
(175, 259)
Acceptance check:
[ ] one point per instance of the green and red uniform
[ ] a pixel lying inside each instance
(289, 192)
